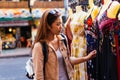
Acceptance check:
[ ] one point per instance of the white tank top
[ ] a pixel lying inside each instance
(62, 70)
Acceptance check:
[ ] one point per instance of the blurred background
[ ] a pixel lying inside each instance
(19, 20)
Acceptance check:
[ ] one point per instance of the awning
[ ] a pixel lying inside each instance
(20, 14)
(14, 14)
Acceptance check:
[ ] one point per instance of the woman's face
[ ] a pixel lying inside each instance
(56, 26)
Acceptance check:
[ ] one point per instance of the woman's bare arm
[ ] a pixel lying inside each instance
(79, 60)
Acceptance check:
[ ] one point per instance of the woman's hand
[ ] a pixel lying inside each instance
(91, 55)
(79, 60)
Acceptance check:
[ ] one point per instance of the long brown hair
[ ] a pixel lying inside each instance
(48, 17)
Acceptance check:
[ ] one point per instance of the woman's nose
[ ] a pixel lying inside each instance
(62, 28)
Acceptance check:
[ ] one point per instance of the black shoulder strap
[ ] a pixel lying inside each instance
(45, 51)
(45, 54)
(45, 48)
(64, 40)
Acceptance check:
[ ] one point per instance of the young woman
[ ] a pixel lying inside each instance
(59, 63)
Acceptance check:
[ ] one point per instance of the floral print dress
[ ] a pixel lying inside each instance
(78, 45)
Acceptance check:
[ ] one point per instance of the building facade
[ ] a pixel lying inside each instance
(17, 18)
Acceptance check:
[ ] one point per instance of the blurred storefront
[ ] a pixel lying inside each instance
(18, 24)
(14, 24)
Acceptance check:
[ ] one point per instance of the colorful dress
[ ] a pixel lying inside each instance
(107, 56)
(91, 38)
(78, 45)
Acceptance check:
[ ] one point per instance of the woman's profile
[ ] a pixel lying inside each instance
(59, 63)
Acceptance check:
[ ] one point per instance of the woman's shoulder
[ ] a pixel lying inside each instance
(37, 51)
(37, 48)
(37, 45)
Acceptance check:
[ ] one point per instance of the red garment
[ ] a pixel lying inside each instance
(118, 56)
(118, 51)
(68, 33)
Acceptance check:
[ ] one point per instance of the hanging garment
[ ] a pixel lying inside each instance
(78, 46)
(68, 33)
(107, 59)
(91, 38)
(117, 40)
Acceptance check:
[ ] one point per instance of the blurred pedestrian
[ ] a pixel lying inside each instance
(0, 45)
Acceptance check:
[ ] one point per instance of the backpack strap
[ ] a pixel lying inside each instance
(45, 51)
(45, 54)
(66, 43)
(45, 47)
(65, 39)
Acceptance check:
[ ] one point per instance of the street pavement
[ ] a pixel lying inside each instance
(12, 63)
(13, 68)
(17, 52)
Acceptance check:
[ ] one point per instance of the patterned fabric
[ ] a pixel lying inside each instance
(91, 38)
(78, 46)
(117, 40)
(107, 59)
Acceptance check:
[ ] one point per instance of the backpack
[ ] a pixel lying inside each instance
(29, 63)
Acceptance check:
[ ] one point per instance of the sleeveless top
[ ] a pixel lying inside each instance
(62, 70)
(107, 60)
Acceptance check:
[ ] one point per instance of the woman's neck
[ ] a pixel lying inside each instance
(50, 37)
